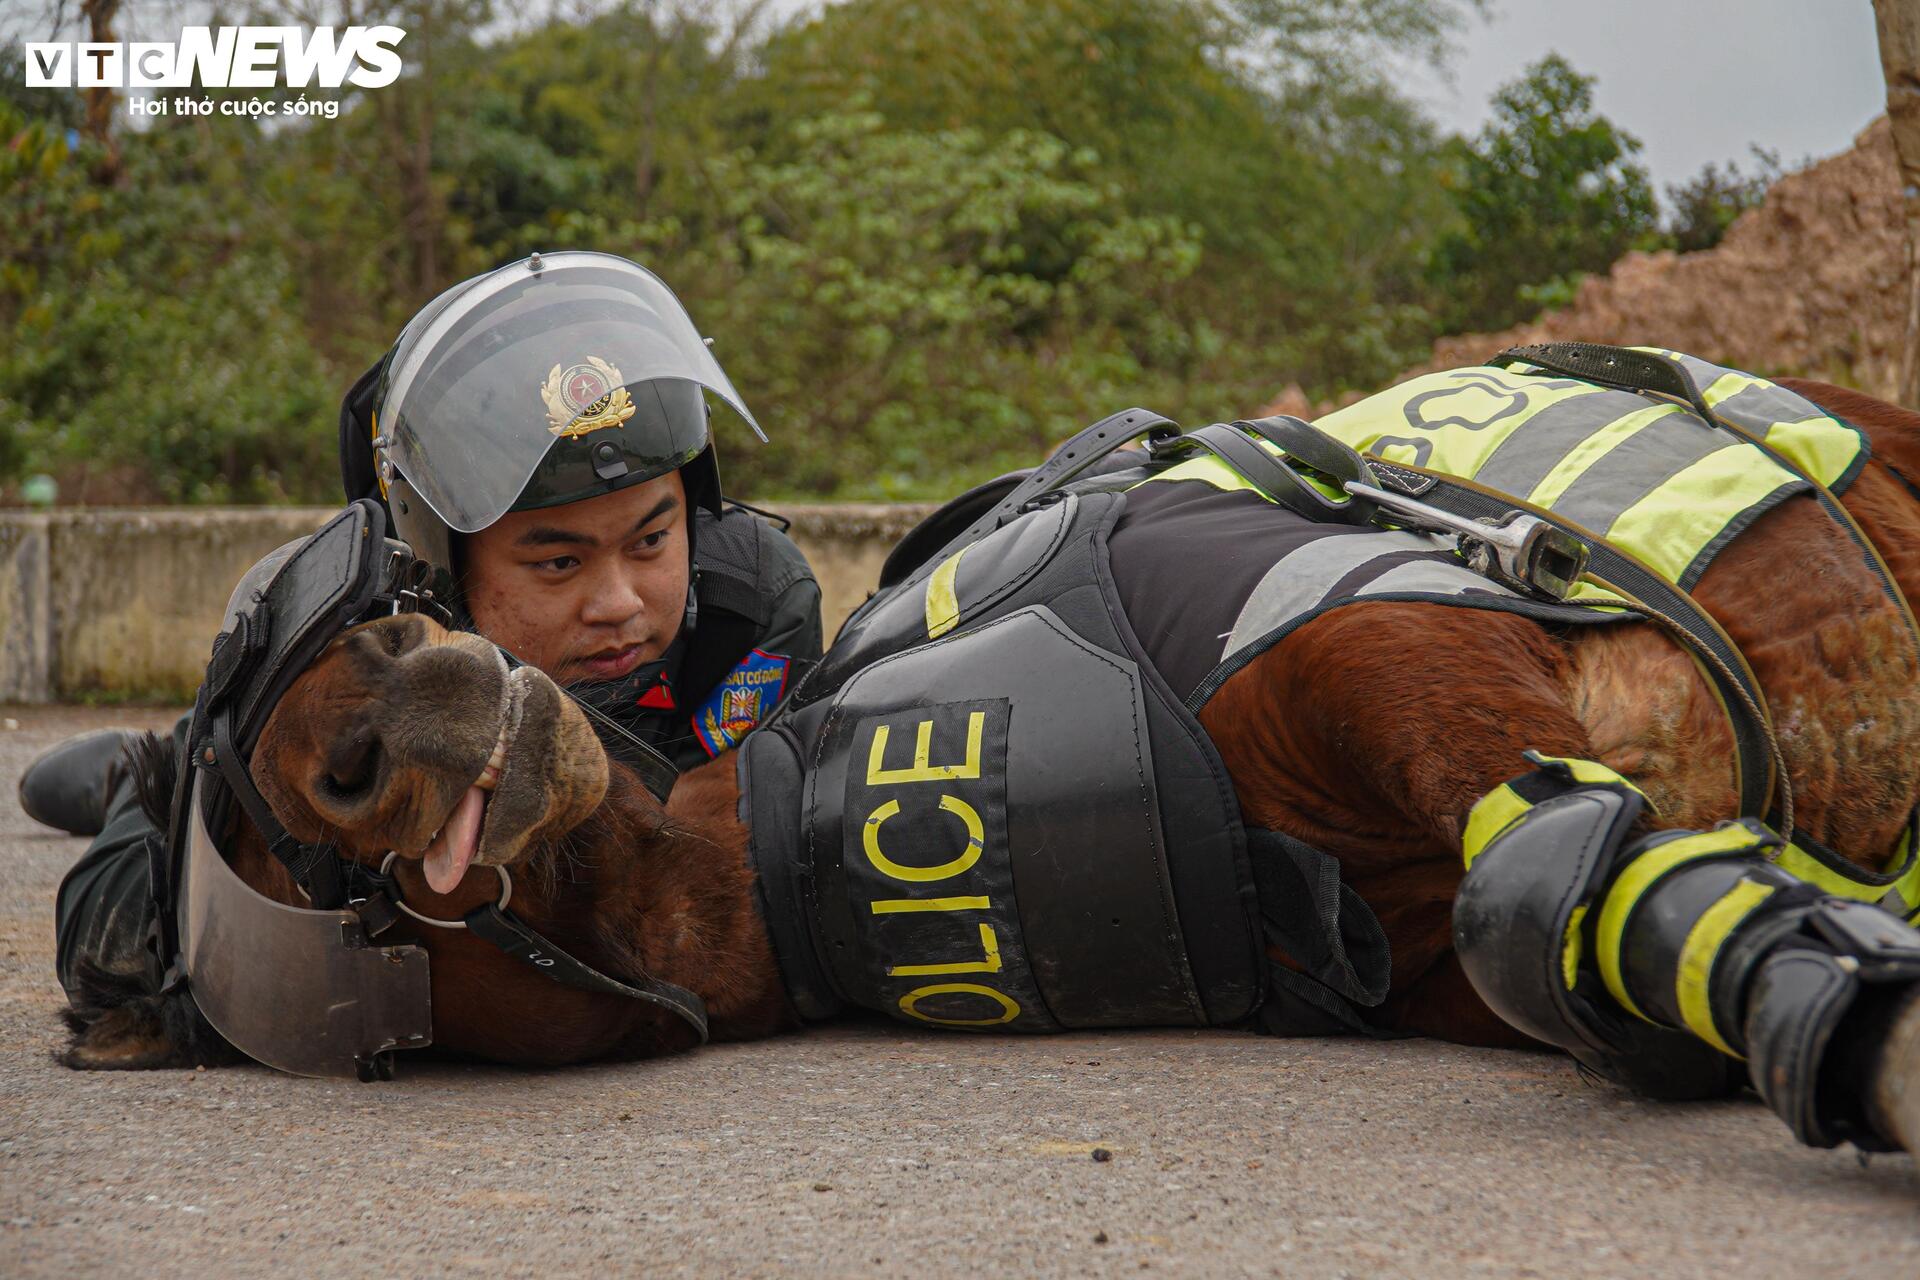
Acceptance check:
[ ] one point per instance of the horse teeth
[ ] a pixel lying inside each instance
(490, 776)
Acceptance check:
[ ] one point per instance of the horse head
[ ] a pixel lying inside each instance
(406, 737)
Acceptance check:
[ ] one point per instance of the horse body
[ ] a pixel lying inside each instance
(1344, 734)
(1335, 737)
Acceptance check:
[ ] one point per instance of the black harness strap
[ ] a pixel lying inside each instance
(1081, 451)
(314, 867)
(1621, 368)
(515, 937)
(1274, 478)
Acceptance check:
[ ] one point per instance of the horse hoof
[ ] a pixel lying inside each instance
(1894, 1094)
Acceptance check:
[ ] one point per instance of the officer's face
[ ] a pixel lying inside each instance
(589, 590)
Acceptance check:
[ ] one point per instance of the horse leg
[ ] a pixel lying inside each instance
(1369, 734)
(1658, 958)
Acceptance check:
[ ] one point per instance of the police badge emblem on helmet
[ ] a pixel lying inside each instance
(585, 397)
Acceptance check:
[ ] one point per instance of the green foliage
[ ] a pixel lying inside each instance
(1707, 204)
(153, 335)
(930, 237)
(921, 299)
(1547, 191)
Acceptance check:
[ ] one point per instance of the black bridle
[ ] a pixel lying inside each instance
(346, 573)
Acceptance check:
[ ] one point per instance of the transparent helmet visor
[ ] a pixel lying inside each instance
(497, 371)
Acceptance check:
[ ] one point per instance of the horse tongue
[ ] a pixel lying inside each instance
(453, 849)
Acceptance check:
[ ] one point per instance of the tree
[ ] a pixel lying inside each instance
(1707, 204)
(1547, 191)
(929, 238)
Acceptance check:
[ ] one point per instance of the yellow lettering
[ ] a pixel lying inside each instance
(922, 771)
(988, 963)
(976, 841)
(1009, 1009)
(890, 906)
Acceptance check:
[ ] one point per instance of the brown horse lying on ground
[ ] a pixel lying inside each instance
(1383, 784)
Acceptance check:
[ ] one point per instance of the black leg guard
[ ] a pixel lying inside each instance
(1659, 963)
(1799, 1009)
(1538, 851)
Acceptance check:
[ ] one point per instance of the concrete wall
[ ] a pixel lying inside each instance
(122, 605)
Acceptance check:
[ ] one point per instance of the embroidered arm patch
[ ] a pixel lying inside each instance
(741, 700)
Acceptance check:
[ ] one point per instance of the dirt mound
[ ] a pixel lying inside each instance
(1808, 283)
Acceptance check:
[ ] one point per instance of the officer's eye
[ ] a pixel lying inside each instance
(654, 539)
(559, 564)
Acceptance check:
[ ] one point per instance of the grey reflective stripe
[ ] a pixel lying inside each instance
(1755, 409)
(1526, 457)
(1431, 577)
(1703, 374)
(1637, 466)
(1759, 409)
(1301, 579)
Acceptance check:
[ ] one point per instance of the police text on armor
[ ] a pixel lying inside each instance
(225, 58)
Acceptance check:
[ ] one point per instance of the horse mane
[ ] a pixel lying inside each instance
(155, 768)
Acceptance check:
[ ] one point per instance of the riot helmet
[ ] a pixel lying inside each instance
(550, 380)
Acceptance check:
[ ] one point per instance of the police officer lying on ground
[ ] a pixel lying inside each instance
(541, 434)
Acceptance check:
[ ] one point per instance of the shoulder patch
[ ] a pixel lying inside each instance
(741, 700)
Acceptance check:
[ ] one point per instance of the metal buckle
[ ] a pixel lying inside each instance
(1519, 551)
(408, 577)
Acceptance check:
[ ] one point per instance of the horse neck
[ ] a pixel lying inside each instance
(675, 889)
(663, 894)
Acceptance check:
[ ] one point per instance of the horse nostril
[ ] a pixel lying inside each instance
(402, 634)
(352, 770)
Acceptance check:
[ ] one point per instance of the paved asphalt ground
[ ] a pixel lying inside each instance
(870, 1150)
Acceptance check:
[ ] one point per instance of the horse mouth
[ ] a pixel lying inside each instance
(466, 835)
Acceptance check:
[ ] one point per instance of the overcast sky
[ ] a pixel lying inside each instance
(1694, 80)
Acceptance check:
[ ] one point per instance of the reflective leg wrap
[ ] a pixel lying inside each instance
(1659, 962)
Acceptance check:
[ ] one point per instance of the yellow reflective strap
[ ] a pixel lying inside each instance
(1667, 528)
(1493, 813)
(1592, 772)
(1595, 447)
(943, 601)
(1465, 415)
(1637, 877)
(1209, 469)
(1802, 865)
(1570, 947)
(1501, 807)
(1697, 954)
